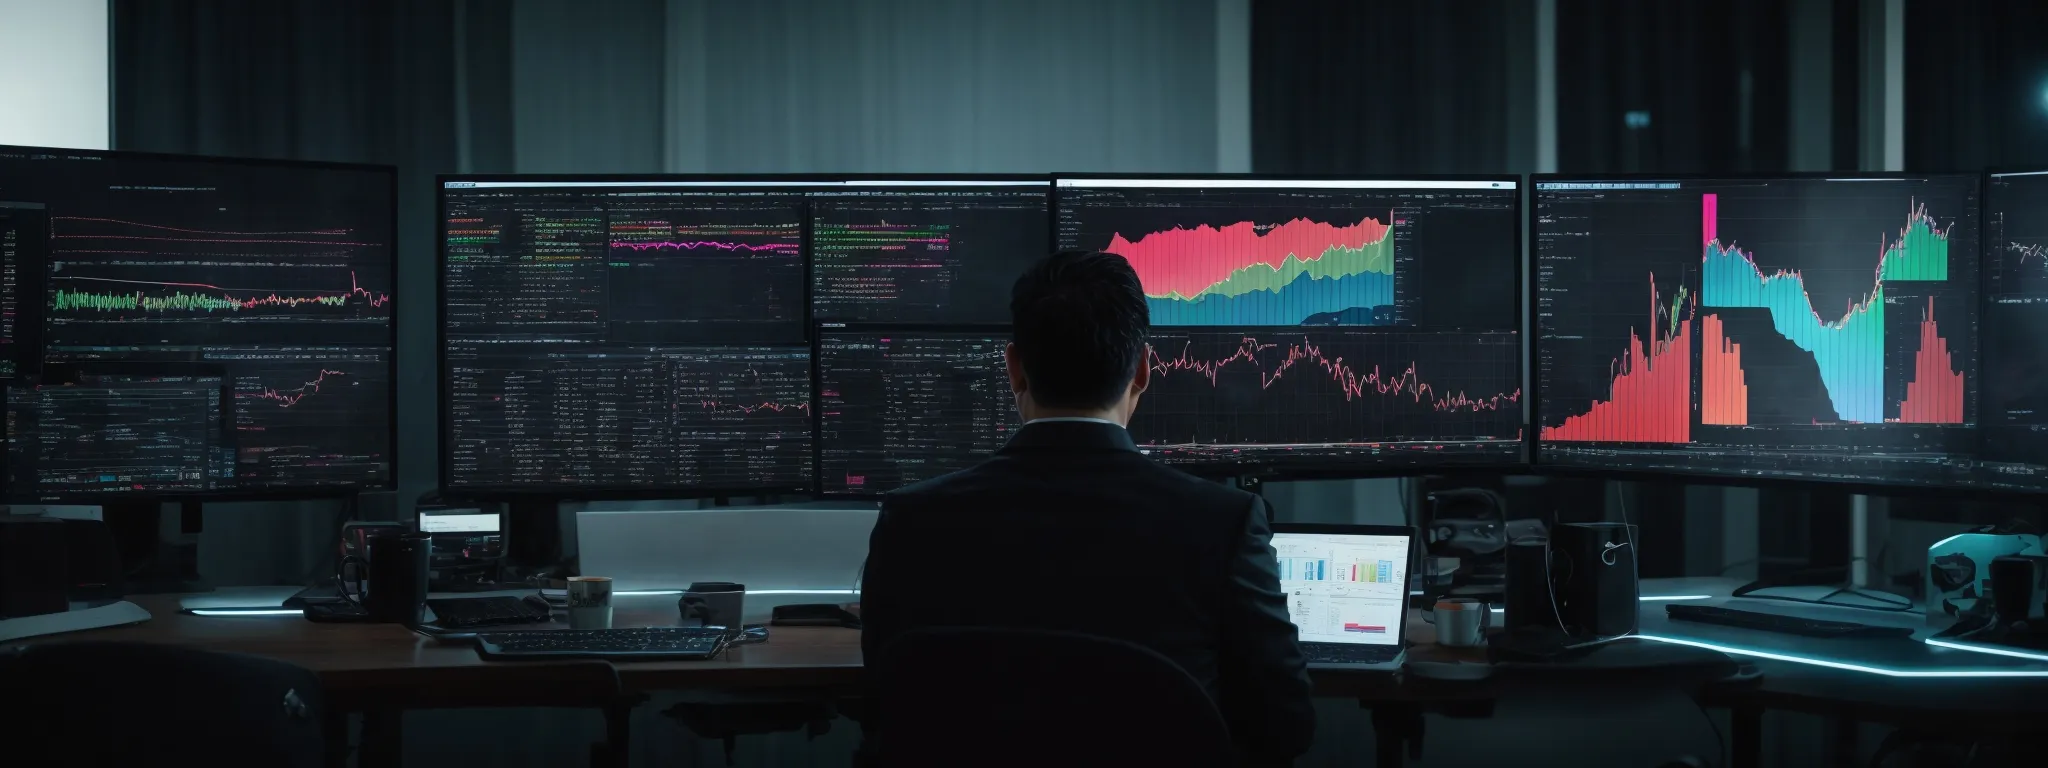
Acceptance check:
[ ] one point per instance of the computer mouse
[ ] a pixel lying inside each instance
(538, 604)
(1438, 670)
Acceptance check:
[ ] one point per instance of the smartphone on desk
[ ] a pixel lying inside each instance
(336, 612)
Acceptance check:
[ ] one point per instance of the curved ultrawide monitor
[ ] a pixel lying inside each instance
(1343, 326)
(1794, 327)
(196, 327)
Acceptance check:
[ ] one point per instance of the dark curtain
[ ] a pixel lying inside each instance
(367, 81)
(1672, 87)
(1414, 86)
(1976, 84)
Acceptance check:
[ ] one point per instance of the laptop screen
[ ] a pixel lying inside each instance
(1343, 587)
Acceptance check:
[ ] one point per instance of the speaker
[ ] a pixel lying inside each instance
(1528, 584)
(1594, 568)
(33, 581)
(92, 561)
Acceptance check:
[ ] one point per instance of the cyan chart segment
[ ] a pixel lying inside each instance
(1849, 349)
(1240, 275)
(1935, 394)
(1651, 398)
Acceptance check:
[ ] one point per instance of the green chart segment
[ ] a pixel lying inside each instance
(1339, 281)
(1919, 253)
(1334, 262)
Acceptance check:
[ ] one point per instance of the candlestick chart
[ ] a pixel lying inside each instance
(1280, 395)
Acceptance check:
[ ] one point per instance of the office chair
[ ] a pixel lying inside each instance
(127, 705)
(950, 697)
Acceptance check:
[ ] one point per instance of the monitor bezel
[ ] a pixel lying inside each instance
(1357, 468)
(1714, 478)
(799, 183)
(275, 493)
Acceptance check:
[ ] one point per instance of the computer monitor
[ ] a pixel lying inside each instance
(2015, 361)
(1345, 584)
(901, 406)
(1812, 328)
(273, 279)
(1349, 326)
(925, 250)
(624, 336)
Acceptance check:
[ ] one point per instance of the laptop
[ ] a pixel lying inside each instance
(1347, 592)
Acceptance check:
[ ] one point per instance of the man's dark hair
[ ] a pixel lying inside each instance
(1079, 320)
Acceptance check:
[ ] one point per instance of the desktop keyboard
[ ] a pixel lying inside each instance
(634, 644)
(1774, 622)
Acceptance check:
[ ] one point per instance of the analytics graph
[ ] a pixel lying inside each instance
(1311, 395)
(730, 273)
(1246, 273)
(1649, 398)
(1272, 254)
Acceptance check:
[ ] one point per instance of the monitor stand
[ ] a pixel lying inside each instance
(158, 558)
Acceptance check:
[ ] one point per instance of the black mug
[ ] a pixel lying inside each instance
(2019, 587)
(718, 603)
(395, 589)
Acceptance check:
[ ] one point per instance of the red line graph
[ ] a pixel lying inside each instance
(1188, 261)
(1650, 400)
(1935, 395)
(750, 409)
(291, 397)
(1354, 383)
(694, 245)
(198, 231)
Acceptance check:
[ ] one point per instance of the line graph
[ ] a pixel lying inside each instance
(287, 398)
(220, 298)
(1919, 253)
(1245, 273)
(1326, 393)
(1650, 400)
(780, 248)
(748, 409)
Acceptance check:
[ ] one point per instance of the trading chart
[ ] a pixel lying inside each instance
(1784, 326)
(2015, 360)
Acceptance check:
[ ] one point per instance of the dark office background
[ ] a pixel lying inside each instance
(1303, 86)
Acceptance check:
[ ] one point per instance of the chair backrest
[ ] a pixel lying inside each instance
(961, 696)
(136, 704)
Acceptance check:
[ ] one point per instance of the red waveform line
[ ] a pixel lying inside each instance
(355, 289)
(1650, 400)
(1188, 261)
(705, 244)
(714, 405)
(1353, 383)
(199, 231)
(1935, 395)
(289, 398)
(1724, 393)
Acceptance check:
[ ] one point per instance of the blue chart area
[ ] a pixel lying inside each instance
(1362, 299)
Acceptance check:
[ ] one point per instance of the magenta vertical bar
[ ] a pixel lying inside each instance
(1710, 205)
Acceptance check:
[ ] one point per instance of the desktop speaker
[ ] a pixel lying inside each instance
(1527, 595)
(33, 580)
(1594, 568)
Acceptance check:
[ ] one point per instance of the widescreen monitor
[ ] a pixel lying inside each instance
(620, 336)
(2014, 367)
(135, 284)
(1351, 326)
(1810, 328)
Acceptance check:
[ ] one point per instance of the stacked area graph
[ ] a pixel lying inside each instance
(1246, 274)
(1650, 400)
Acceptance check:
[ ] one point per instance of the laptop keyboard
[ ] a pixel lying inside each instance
(1324, 653)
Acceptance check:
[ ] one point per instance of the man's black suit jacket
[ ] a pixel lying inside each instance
(1069, 527)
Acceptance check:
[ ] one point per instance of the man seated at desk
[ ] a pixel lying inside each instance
(1069, 527)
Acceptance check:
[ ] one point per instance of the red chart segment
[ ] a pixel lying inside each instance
(1724, 392)
(1353, 382)
(1935, 394)
(1651, 398)
(1187, 262)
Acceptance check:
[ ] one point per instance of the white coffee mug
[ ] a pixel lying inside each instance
(590, 602)
(1461, 622)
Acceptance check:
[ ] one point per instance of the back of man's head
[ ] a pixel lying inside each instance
(1078, 323)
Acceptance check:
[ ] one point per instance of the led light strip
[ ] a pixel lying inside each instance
(1842, 665)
